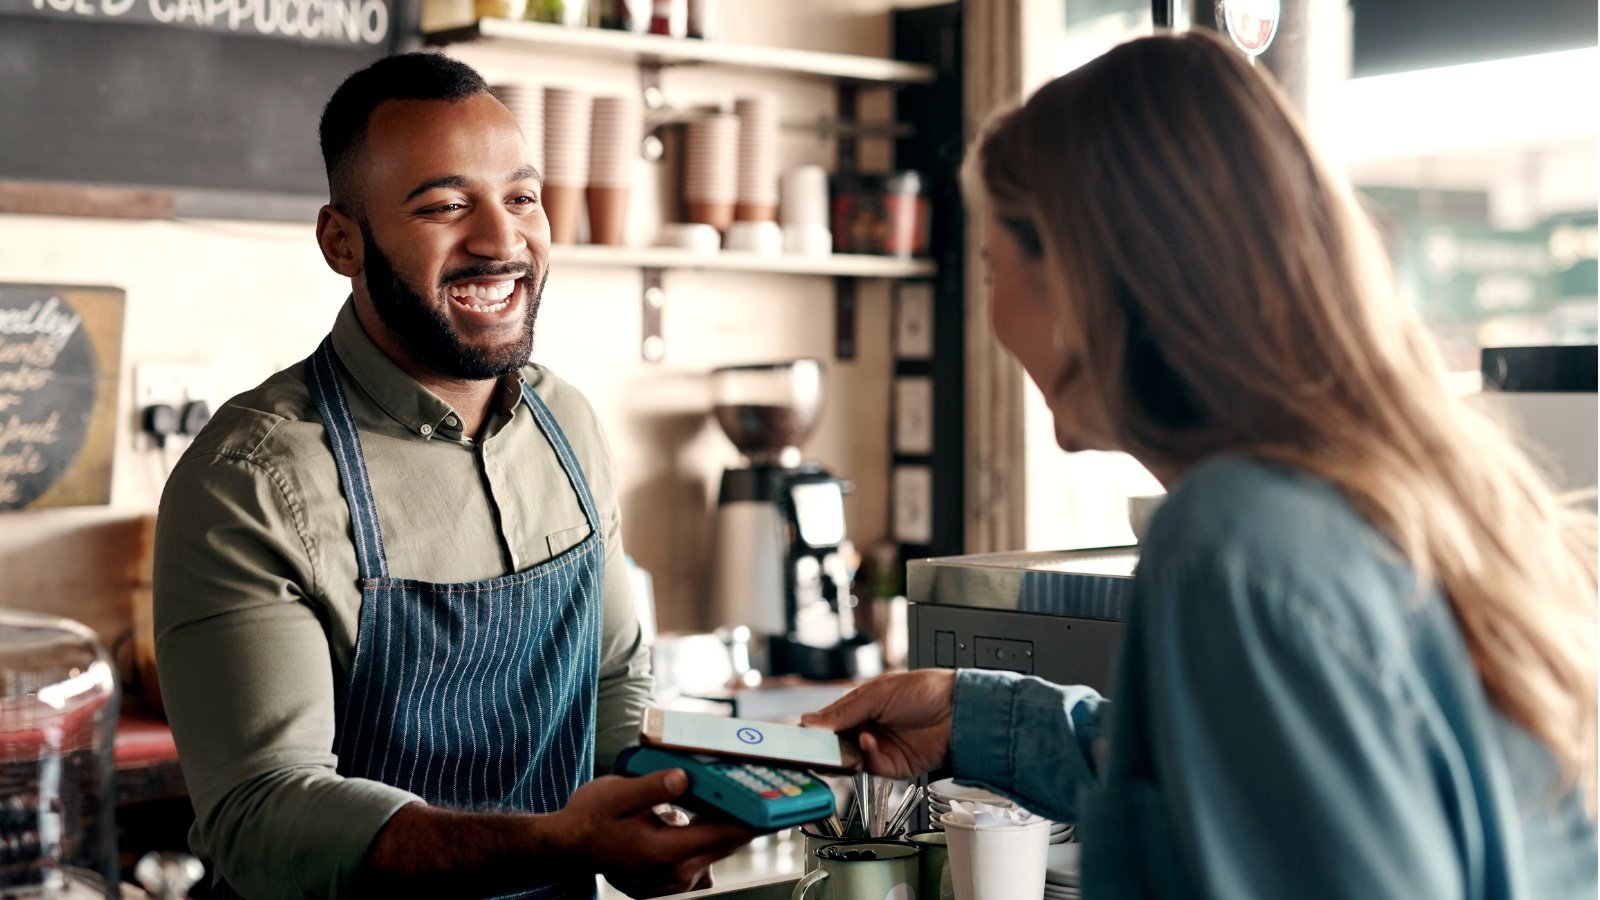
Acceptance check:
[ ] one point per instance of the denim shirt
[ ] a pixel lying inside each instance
(1294, 718)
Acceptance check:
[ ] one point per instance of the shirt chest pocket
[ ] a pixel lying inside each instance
(564, 540)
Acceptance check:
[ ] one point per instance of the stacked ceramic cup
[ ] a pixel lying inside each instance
(711, 169)
(758, 158)
(615, 131)
(566, 160)
(526, 104)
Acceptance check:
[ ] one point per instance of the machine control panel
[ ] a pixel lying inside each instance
(1000, 653)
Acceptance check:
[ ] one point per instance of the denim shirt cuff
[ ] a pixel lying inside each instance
(982, 728)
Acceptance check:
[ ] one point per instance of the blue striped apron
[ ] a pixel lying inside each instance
(477, 695)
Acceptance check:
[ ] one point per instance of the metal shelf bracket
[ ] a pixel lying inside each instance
(652, 347)
(844, 318)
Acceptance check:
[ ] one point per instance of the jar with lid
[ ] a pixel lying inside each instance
(499, 9)
(625, 15)
(669, 18)
(559, 12)
(881, 214)
(58, 719)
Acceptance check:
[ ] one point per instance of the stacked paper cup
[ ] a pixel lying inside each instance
(805, 212)
(758, 158)
(566, 159)
(527, 107)
(711, 170)
(613, 148)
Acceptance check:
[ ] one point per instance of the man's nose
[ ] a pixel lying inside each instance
(497, 234)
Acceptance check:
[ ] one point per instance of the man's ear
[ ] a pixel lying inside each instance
(339, 236)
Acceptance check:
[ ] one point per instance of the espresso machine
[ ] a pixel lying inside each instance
(781, 563)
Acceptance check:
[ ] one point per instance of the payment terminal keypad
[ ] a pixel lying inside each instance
(760, 796)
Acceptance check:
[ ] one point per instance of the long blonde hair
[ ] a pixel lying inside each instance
(1234, 298)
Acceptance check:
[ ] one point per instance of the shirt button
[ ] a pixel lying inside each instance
(452, 421)
(426, 429)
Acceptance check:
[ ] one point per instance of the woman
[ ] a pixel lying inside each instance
(1361, 657)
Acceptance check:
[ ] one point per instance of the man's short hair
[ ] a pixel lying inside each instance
(408, 76)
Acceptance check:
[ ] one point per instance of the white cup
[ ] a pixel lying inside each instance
(807, 240)
(998, 863)
(689, 236)
(754, 237)
(804, 196)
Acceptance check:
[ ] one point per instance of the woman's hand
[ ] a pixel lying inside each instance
(901, 721)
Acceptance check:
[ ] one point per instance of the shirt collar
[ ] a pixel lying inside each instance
(396, 393)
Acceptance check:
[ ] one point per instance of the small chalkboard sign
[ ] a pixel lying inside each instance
(60, 355)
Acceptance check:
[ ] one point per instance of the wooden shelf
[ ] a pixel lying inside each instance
(838, 265)
(657, 49)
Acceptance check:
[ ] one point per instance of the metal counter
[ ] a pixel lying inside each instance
(779, 888)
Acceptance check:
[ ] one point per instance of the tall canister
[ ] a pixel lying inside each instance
(58, 720)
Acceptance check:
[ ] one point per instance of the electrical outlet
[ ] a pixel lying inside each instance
(913, 504)
(172, 384)
(913, 415)
(913, 331)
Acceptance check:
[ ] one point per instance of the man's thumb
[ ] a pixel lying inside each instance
(659, 787)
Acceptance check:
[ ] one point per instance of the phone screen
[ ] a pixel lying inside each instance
(744, 737)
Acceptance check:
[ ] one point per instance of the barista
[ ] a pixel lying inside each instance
(394, 632)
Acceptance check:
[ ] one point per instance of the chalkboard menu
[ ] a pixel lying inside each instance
(217, 101)
(60, 353)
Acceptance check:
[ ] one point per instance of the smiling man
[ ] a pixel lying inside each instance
(394, 631)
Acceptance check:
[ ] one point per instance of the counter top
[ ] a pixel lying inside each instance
(767, 860)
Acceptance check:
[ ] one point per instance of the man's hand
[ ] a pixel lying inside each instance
(902, 721)
(611, 823)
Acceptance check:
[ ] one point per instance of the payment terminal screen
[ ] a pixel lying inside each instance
(742, 737)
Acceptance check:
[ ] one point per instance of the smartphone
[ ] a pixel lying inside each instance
(786, 745)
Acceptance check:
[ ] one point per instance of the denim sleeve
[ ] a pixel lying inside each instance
(1286, 752)
(1026, 738)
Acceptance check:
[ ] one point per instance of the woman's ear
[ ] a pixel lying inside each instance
(339, 236)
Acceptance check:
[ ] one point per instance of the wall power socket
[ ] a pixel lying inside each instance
(169, 384)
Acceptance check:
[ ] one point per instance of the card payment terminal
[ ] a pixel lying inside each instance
(762, 797)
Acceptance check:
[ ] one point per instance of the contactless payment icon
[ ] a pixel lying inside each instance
(750, 735)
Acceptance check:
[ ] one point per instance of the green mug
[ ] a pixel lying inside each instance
(934, 865)
(814, 841)
(864, 870)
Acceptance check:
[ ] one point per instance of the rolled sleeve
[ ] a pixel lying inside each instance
(1026, 738)
(247, 682)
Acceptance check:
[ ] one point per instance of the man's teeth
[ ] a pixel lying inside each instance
(492, 293)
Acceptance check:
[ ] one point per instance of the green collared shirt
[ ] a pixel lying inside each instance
(257, 604)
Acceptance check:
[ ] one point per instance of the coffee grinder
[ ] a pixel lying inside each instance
(781, 562)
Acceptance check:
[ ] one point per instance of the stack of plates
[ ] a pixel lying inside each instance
(940, 793)
(1061, 873)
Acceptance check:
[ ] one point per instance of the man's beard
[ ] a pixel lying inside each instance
(427, 334)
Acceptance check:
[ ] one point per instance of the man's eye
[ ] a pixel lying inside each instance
(444, 208)
(525, 200)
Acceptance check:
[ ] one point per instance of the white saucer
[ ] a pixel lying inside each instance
(946, 789)
(1061, 865)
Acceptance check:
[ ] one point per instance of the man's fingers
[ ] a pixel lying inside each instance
(712, 840)
(641, 794)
